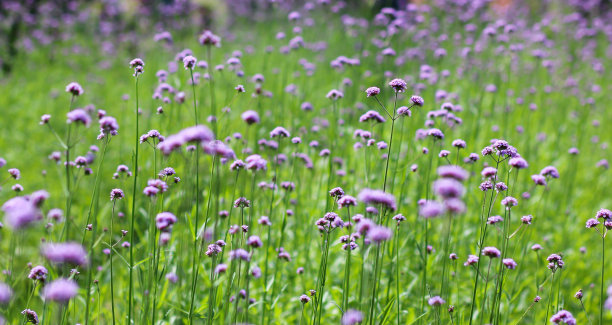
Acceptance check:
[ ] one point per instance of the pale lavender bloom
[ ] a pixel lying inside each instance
(370, 196)
(451, 171)
(116, 194)
(550, 171)
(526, 219)
(164, 221)
(379, 234)
(218, 148)
(509, 202)
(491, 252)
(417, 100)
(518, 163)
(79, 115)
(458, 143)
(539, 179)
(250, 117)
(334, 94)
(471, 260)
(5, 293)
(60, 290)
(21, 211)
(591, 223)
(563, 317)
(279, 131)
(372, 116)
(431, 209)
(372, 91)
(189, 62)
(65, 253)
(352, 317)
(240, 254)
(75, 89)
(31, 316)
(436, 301)
(448, 188)
(404, 111)
(346, 201)
(399, 85)
(509, 263)
(221, 268)
(38, 273)
(494, 219)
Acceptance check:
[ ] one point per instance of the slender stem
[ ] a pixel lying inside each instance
(110, 257)
(134, 189)
(197, 207)
(601, 293)
(374, 287)
(94, 199)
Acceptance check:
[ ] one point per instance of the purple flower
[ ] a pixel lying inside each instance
(591, 223)
(550, 171)
(352, 317)
(31, 316)
(526, 219)
(164, 221)
(459, 143)
(404, 111)
(370, 196)
(431, 209)
(488, 172)
(399, 85)
(436, 301)
(79, 115)
(254, 241)
(334, 94)
(539, 179)
(435, 133)
(509, 263)
(75, 89)
(451, 171)
(221, 268)
(279, 131)
(372, 91)
(509, 202)
(471, 260)
(379, 234)
(5, 293)
(518, 163)
(372, 116)
(21, 211)
(346, 201)
(38, 273)
(448, 188)
(604, 213)
(304, 299)
(116, 194)
(218, 148)
(491, 252)
(563, 317)
(108, 125)
(65, 253)
(239, 254)
(417, 100)
(189, 62)
(250, 117)
(60, 290)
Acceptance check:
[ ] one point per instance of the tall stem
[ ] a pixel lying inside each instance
(110, 257)
(94, 199)
(197, 206)
(134, 189)
(603, 260)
